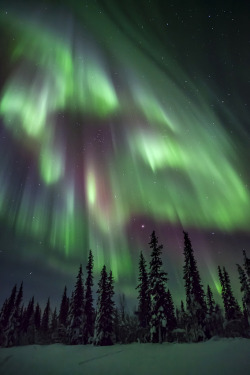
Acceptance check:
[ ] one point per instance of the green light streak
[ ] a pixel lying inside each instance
(91, 188)
(51, 166)
(18, 105)
(151, 108)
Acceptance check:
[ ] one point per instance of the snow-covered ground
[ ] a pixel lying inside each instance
(214, 357)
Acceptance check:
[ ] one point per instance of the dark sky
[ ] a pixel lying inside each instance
(117, 119)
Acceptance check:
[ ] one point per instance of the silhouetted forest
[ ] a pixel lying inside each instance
(156, 319)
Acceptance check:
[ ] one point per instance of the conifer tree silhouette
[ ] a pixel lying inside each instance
(89, 309)
(157, 288)
(77, 312)
(143, 297)
(232, 309)
(195, 297)
(245, 289)
(104, 333)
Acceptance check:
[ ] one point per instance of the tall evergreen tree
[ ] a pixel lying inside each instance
(45, 324)
(37, 317)
(27, 316)
(54, 327)
(10, 320)
(37, 322)
(89, 309)
(16, 319)
(232, 309)
(69, 320)
(110, 307)
(63, 318)
(6, 313)
(233, 306)
(223, 288)
(157, 289)
(105, 315)
(195, 297)
(77, 312)
(143, 297)
(28, 327)
(64, 309)
(245, 289)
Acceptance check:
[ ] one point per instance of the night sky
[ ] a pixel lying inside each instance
(116, 120)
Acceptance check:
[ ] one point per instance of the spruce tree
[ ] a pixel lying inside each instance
(27, 315)
(157, 290)
(37, 317)
(54, 327)
(89, 309)
(64, 308)
(77, 312)
(110, 308)
(45, 324)
(105, 315)
(245, 289)
(37, 323)
(223, 289)
(195, 297)
(63, 317)
(232, 309)
(6, 314)
(11, 318)
(46, 318)
(233, 306)
(28, 327)
(69, 320)
(16, 320)
(143, 297)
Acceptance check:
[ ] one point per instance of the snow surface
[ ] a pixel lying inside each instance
(216, 356)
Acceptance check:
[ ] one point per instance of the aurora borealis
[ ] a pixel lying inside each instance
(117, 120)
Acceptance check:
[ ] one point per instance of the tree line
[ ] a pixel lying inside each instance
(156, 319)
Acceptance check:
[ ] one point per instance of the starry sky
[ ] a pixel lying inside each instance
(116, 120)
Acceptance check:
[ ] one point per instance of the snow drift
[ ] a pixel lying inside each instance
(213, 357)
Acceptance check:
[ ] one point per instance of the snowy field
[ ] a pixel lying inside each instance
(214, 357)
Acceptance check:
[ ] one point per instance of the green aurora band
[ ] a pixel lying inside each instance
(168, 157)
